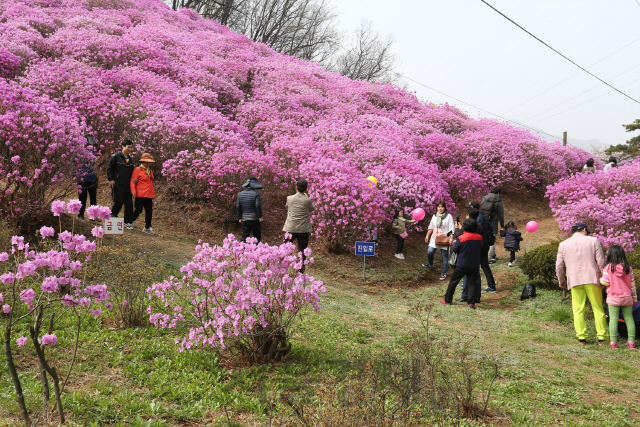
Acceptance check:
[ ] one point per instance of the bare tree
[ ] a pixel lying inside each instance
(219, 10)
(370, 58)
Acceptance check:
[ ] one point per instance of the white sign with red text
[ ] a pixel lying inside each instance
(114, 226)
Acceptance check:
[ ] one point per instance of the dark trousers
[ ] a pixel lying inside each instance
(249, 227)
(122, 196)
(145, 203)
(89, 188)
(303, 243)
(486, 268)
(512, 256)
(400, 246)
(473, 288)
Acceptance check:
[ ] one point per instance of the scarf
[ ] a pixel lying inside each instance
(440, 217)
(146, 169)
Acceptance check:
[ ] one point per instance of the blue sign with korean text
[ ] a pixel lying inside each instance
(365, 248)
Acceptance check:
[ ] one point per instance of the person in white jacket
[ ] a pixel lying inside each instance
(442, 225)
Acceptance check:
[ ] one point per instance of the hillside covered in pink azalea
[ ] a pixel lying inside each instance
(215, 107)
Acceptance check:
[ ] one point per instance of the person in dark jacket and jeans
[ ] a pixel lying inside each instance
(493, 209)
(119, 171)
(512, 239)
(489, 235)
(87, 178)
(249, 209)
(468, 247)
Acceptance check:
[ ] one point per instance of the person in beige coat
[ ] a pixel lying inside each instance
(583, 258)
(298, 223)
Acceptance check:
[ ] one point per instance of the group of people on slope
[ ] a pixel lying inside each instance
(582, 268)
(297, 225)
(127, 183)
(589, 166)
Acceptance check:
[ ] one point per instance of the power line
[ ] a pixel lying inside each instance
(581, 93)
(570, 77)
(478, 108)
(592, 99)
(582, 68)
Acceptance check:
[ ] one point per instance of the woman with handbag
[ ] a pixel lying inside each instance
(400, 230)
(440, 236)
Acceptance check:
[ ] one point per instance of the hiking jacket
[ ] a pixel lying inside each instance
(248, 205)
(498, 216)
(120, 169)
(621, 287)
(468, 247)
(87, 171)
(487, 229)
(399, 226)
(299, 208)
(144, 186)
(512, 239)
(583, 258)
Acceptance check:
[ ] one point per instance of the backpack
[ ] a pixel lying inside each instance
(488, 209)
(529, 291)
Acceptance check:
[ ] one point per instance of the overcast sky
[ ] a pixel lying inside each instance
(466, 50)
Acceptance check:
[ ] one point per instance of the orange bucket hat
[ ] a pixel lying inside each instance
(146, 157)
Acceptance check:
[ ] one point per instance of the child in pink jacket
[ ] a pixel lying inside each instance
(621, 294)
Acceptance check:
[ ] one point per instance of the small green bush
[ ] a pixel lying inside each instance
(634, 259)
(540, 263)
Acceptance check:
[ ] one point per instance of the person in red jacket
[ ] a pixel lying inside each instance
(143, 192)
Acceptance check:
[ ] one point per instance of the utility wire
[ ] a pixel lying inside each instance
(592, 99)
(570, 77)
(582, 68)
(478, 108)
(581, 93)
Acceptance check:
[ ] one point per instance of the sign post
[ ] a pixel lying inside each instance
(114, 226)
(365, 249)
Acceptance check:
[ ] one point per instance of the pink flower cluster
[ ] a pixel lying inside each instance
(228, 291)
(214, 107)
(606, 201)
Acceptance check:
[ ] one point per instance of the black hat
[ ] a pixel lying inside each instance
(302, 184)
(578, 226)
(474, 204)
(495, 190)
(253, 183)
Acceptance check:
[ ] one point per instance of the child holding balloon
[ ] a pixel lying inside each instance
(512, 239)
(399, 229)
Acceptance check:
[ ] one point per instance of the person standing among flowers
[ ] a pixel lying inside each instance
(618, 278)
(298, 224)
(583, 258)
(249, 209)
(143, 192)
(87, 179)
(400, 231)
(119, 171)
(440, 236)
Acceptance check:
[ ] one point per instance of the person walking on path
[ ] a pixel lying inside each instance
(249, 209)
(488, 238)
(583, 258)
(468, 247)
(87, 179)
(618, 278)
(119, 171)
(440, 236)
(143, 192)
(298, 224)
(492, 207)
(512, 239)
(400, 231)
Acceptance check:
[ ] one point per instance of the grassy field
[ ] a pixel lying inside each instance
(136, 377)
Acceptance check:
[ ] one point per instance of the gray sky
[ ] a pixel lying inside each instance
(465, 49)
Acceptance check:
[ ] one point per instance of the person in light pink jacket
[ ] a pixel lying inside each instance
(621, 294)
(583, 258)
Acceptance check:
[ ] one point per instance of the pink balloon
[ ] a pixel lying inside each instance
(418, 214)
(532, 226)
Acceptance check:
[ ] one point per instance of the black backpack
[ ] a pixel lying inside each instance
(529, 291)
(488, 209)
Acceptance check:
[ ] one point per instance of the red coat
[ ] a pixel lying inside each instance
(144, 186)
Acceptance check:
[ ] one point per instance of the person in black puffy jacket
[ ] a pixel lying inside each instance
(512, 239)
(249, 209)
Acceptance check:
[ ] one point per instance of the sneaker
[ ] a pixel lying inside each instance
(510, 264)
(614, 345)
(443, 276)
(471, 306)
(401, 256)
(129, 226)
(515, 260)
(492, 261)
(148, 231)
(632, 345)
(444, 302)
(133, 224)
(81, 218)
(428, 265)
(461, 300)
(398, 256)
(488, 289)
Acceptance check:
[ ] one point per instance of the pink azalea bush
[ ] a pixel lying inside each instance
(242, 297)
(606, 201)
(214, 107)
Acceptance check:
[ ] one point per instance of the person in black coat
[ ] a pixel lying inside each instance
(119, 171)
(249, 209)
(512, 239)
(488, 238)
(468, 247)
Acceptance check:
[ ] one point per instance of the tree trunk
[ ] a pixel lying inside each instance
(14, 375)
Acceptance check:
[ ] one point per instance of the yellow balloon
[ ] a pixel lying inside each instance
(373, 180)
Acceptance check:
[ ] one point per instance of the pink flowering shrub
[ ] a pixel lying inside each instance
(239, 297)
(606, 201)
(213, 107)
